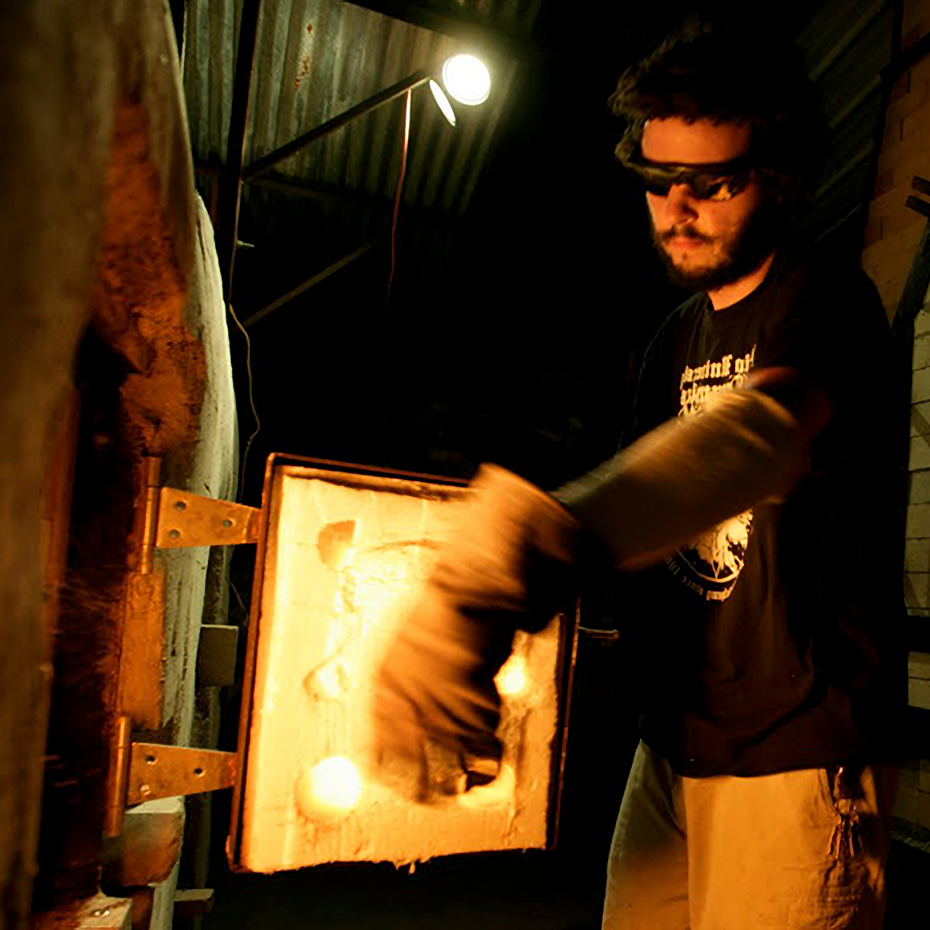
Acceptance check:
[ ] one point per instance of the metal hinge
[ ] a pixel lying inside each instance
(149, 771)
(167, 518)
(186, 519)
(157, 771)
(174, 519)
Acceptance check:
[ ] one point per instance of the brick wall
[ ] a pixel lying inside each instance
(893, 231)
(891, 240)
(914, 792)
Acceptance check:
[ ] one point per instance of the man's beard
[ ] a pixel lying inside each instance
(743, 255)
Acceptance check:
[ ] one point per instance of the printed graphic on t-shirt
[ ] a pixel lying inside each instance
(699, 384)
(711, 564)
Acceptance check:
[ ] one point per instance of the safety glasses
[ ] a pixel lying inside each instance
(717, 182)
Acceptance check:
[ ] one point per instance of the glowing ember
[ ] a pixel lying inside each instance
(330, 790)
(511, 680)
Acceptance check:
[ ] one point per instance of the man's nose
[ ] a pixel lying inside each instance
(679, 203)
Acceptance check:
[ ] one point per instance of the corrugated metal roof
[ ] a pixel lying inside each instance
(317, 58)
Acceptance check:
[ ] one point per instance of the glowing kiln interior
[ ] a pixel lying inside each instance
(344, 554)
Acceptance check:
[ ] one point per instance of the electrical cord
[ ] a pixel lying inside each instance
(400, 187)
(242, 607)
(248, 342)
(258, 422)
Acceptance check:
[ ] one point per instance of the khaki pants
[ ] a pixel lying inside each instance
(803, 849)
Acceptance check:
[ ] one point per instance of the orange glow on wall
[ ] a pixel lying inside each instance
(343, 556)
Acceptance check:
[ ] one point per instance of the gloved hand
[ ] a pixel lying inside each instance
(509, 565)
(515, 559)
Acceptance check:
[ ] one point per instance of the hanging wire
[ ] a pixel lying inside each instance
(258, 422)
(400, 187)
(242, 607)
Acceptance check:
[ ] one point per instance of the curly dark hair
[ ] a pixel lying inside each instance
(727, 76)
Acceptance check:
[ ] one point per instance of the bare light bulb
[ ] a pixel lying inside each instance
(467, 79)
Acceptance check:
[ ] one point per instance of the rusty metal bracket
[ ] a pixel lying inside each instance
(158, 771)
(172, 519)
(142, 772)
(119, 772)
(186, 519)
(147, 514)
(164, 518)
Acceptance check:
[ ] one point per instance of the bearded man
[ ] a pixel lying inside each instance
(756, 499)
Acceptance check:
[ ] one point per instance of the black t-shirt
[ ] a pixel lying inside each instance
(774, 641)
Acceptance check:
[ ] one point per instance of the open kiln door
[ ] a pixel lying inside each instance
(341, 553)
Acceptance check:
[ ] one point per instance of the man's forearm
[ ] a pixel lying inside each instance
(690, 474)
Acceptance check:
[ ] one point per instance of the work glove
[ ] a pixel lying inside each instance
(509, 565)
(517, 557)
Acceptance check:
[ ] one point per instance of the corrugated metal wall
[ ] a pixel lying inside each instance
(317, 58)
(314, 60)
